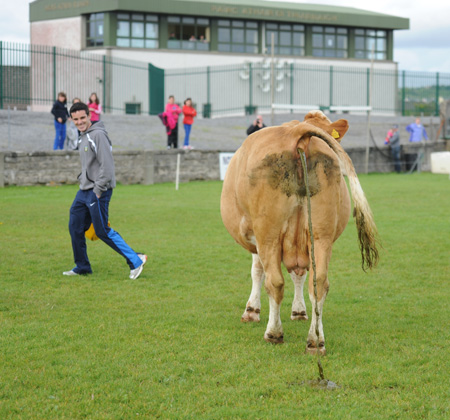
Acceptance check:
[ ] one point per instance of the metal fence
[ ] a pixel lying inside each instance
(31, 77)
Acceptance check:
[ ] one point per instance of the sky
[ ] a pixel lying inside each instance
(424, 47)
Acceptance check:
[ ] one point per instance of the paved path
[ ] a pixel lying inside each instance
(24, 131)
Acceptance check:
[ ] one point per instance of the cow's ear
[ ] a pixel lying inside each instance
(338, 129)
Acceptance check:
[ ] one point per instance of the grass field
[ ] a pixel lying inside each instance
(170, 345)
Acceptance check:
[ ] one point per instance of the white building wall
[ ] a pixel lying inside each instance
(167, 59)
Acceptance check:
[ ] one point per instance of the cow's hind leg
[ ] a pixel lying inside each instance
(274, 285)
(253, 307)
(322, 256)
(298, 304)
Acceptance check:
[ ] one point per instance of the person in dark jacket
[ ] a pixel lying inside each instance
(257, 125)
(59, 110)
(393, 140)
(91, 204)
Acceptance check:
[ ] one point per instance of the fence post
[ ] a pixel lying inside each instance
(1, 74)
(437, 95)
(331, 86)
(54, 74)
(250, 85)
(368, 86)
(104, 81)
(208, 81)
(403, 93)
(292, 85)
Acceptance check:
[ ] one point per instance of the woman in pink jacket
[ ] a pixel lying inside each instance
(173, 109)
(95, 109)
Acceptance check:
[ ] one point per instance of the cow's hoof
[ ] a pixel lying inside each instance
(311, 348)
(274, 339)
(251, 315)
(299, 316)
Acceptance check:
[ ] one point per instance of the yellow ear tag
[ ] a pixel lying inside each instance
(335, 134)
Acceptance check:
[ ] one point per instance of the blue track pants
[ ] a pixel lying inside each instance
(87, 209)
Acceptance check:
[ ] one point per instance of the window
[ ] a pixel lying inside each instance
(328, 41)
(288, 39)
(137, 30)
(188, 33)
(94, 30)
(368, 40)
(238, 36)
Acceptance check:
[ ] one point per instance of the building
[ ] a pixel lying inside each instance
(191, 33)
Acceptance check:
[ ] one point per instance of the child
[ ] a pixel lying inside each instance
(95, 109)
(189, 114)
(59, 110)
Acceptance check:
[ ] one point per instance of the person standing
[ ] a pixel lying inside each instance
(393, 140)
(91, 204)
(175, 111)
(95, 109)
(189, 113)
(59, 110)
(417, 132)
(257, 125)
(72, 131)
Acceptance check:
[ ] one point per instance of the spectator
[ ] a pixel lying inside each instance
(59, 110)
(192, 38)
(72, 131)
(91, 204)
(189, 113)
(393, 140)
(173, 109)
(417, 131)
(95, 109)
(257, 125)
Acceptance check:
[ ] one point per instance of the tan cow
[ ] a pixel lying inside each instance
(264, 208)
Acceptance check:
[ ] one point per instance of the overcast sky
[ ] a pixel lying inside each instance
(424, 47)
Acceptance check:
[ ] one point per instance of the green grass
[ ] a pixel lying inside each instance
(170, 345)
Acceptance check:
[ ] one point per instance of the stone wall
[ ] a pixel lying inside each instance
(152, 167)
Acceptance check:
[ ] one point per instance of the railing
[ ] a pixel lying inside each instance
(31, 77)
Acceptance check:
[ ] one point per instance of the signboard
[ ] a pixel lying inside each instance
(224, 160)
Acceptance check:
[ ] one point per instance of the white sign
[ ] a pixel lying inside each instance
(224, 160)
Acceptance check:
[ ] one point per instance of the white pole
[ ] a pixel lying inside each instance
(272, 90)
(368, 113)
(177, 178)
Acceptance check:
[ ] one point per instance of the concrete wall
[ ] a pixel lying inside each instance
(150, 167)
(64, 33)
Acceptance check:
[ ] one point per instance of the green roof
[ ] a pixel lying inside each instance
(238, 9)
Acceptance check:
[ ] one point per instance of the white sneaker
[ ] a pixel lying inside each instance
(134, 274)
(70, 273)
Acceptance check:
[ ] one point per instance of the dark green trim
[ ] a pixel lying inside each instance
(351, 43)
(390, 45)
(156, 89)
(308, 41)
(231, 9)
(163, 32)
(110, 29)
(214, 35)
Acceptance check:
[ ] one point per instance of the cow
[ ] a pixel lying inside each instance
(264, 208)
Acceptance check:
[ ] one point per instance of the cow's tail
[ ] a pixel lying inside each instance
(365, 224)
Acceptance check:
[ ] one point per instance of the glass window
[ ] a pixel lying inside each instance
(288, 39)
(368, 40)
(238, 36)
(123, 28)
(189, 33)
(134, 31)
(94, 30)
(329, 41)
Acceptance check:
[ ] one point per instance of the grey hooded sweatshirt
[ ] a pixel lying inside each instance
(97, 162)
